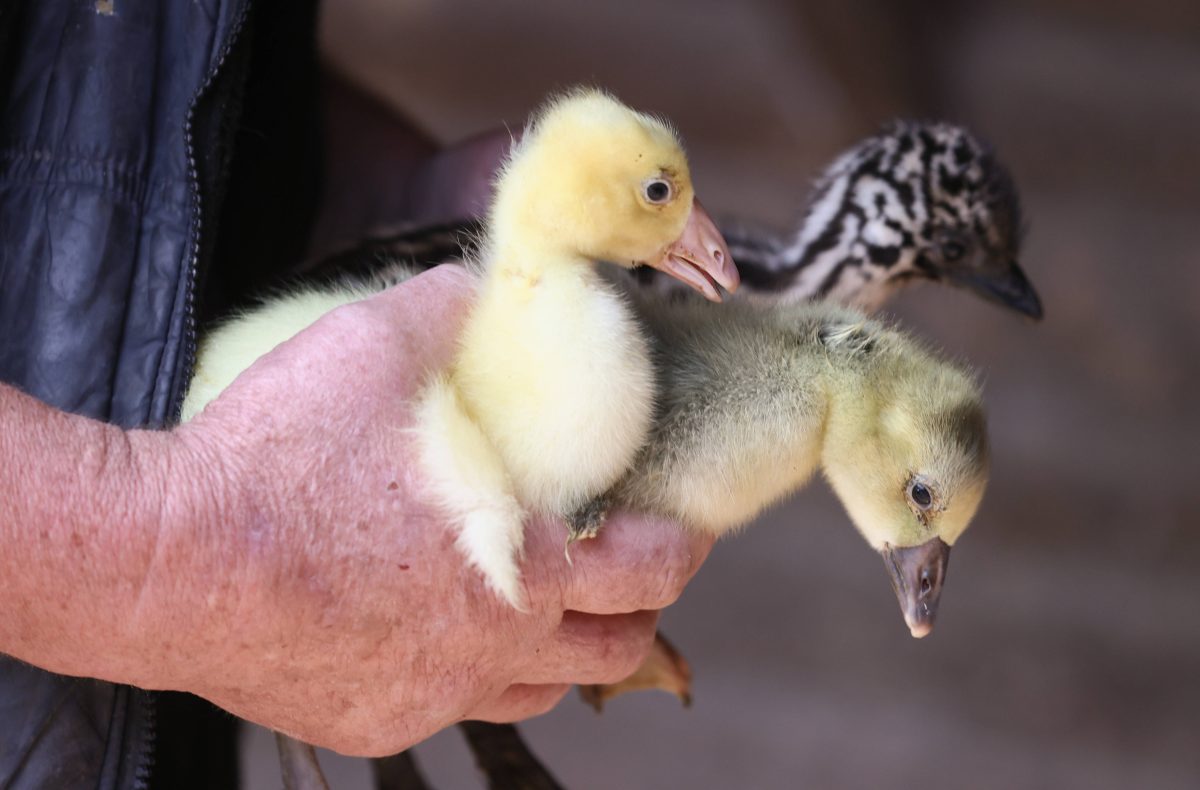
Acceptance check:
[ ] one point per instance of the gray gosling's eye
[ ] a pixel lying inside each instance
(657, 191)
(921, 496)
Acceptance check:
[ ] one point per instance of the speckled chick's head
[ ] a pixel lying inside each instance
(972, 237)
(918, 201)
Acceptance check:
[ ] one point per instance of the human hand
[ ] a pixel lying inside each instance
(326, 598)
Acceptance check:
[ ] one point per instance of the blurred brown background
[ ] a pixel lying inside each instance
(1067, 653)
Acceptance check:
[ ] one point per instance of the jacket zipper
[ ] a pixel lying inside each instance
(146, 700)
(195, 227)
(143, 765)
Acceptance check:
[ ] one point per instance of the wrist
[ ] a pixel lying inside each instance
(187, 592)
(83, 541)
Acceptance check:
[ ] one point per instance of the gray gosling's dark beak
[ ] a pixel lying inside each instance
(1001, 282)
(917, 575)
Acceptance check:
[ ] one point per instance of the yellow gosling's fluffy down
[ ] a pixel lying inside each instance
(552, 393)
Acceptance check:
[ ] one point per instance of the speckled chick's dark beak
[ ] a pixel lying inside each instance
(1002, 282)
(917, 575)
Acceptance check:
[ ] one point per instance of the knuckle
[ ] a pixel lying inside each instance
(672, 566)
(669, 580)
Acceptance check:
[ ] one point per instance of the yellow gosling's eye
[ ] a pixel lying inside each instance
(657, 191)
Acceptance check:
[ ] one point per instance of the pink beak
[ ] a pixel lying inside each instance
(699, 257)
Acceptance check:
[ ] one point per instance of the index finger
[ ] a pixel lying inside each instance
(637, 562)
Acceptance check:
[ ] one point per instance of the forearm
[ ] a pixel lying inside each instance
(84, 515)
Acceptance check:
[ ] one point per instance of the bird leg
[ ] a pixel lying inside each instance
(298, 764)
(505, 759)
(665, 669)
(585, 523)
(509, 764)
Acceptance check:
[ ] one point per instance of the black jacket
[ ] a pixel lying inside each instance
(139, 143)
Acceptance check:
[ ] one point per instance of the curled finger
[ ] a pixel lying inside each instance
(636, 563)
(520, 701)
(589, 648)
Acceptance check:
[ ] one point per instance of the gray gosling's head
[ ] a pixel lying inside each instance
(917, 201)
(906, 452)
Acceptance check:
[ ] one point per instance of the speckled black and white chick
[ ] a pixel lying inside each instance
(915, 202)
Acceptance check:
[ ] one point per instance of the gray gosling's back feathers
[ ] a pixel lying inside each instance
(754, 400)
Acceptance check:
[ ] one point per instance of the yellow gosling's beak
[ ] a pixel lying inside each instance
(917, 575)
(699, 257)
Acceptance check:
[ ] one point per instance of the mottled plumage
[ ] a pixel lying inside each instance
(918, 201)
